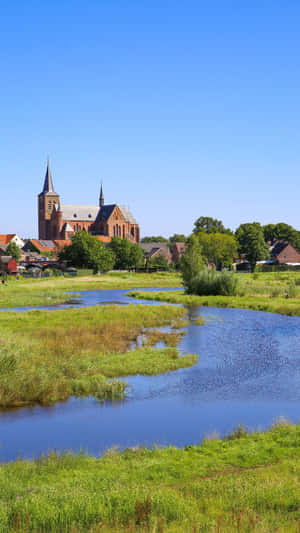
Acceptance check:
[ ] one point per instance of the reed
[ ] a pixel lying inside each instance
(47, 356)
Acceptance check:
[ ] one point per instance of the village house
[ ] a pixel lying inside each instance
(155, 249)
(283, 252)
(11, 237)
(8, 265)
(178, 250)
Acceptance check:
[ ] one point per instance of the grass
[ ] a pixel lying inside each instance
(47, 356)
(53, 291)
(246, 482)
(269, 292)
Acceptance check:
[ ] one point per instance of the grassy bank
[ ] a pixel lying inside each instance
(270, 292)
(249, 482)
(53, 291)
(47, 356)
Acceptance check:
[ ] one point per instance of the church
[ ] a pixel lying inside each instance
(60, 221)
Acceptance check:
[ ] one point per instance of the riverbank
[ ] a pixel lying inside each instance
(54, 291)
(245, 482)
(47, 356)
(284, 306)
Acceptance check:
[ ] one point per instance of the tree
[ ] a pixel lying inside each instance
(210, 225)
(13, 250)
(87, 251)
(282, 232)
(159, 261)
(154, 239)
(251, 242)
(128, 254)
(191, 263)
(177, 237)
(218, 248)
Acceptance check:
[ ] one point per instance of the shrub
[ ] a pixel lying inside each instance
(212, 283)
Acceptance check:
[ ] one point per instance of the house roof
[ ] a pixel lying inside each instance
(148, 246)
(43, 245)
(103, 238)
(60, 243)
(6, 259)
(5, 239)
(79, 212)
(277, 247)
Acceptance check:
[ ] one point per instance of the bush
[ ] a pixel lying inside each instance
(212, 283)
(292, 290)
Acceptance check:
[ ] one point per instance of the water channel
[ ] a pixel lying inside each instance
(248, 372)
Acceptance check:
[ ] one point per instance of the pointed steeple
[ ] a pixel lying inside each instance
(48, 184)
(101, 199)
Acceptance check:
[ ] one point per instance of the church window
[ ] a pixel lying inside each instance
(49, 205)
(79, 228)
(123, 231)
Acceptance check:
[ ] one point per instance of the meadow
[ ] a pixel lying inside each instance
(245, 482)
(47, 356)
(272, 292)
(54, 291)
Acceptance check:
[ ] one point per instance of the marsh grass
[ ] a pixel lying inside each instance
(47, 356)
(249, 483)
(53, 291)
(269, 302)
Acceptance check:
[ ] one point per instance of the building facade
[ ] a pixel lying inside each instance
(60, 221)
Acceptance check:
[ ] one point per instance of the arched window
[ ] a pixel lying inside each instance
(123, 231)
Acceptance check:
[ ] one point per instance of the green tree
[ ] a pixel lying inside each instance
(191, 263)
(158, 261)
(218, 248)
(177, 237)
(128, 254)
(282, 232)
(13, 250)
(210, 225)
(251, 243)
(159, 238)
(86, 251)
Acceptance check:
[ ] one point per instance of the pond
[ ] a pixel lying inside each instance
(248, 373)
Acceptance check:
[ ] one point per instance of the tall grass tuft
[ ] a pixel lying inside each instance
(213, 283)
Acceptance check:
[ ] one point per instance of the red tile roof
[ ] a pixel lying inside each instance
(5, 239)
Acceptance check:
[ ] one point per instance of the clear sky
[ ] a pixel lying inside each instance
(182, 107)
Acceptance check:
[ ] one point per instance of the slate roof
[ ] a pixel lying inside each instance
(148, 246)
(277, 248)
(104, 212)
(48, 184)
(79, 212)
(127, 215)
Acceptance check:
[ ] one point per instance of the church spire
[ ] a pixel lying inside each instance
(101, 199)
(48, 184)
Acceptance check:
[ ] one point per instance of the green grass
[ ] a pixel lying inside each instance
(249, 482)
(47, 356)
(53, 291)
(269, 292)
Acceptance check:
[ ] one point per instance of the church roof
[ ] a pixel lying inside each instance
(79, 212)
(127, 215)
(105, 212)
(48, 184)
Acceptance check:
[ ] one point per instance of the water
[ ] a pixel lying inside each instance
(248, 372)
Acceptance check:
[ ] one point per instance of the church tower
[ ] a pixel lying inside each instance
(46, 200)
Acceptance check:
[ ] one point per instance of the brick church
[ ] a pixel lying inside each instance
(60, 221)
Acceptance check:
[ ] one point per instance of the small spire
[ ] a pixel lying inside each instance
(48, 184)
(101, 199)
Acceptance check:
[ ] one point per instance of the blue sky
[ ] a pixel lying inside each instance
(182, 108)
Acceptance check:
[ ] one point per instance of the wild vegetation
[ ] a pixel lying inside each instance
(55, 290)
(47, 356)
(274, 292)
(245, 482)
